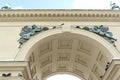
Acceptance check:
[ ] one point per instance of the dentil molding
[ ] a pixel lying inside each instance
(59, 15)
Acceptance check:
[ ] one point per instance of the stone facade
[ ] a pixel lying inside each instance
(62, 48)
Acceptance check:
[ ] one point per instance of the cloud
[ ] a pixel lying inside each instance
(91, 4)
(18, 7)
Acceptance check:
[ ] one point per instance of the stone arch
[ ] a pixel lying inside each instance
(68, 46)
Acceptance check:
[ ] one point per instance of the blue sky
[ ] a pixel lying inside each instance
(59, 4)
(39, 4)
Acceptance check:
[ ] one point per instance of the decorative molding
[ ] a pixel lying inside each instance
(46, 71)
(59, 15)
(78, 71)
(114, 69)
(65, 43)
(45, 48)
(33, 71)
(81, 60)
(97, 72)
(31, 59)
(62, 67)
(11, 69)
(45, 61)
(82, 47)
(63, 57)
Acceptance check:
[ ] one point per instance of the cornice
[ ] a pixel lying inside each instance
(59, 15)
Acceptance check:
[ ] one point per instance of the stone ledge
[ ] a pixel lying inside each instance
(113, 71)
(60, 15)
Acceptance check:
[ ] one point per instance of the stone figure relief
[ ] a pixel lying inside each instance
(101, 31)
(28, 31)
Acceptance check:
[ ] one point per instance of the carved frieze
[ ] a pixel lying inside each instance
(59, 15)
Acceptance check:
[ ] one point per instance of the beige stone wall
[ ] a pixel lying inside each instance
(9, 33)
(8, 46)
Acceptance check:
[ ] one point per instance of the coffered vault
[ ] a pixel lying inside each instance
(63, 49)
(68, 50)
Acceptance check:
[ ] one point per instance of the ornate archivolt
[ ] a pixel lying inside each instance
(69, 50)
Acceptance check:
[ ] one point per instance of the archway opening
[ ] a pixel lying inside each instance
(80, 52)
(68, 52)
(63, 77)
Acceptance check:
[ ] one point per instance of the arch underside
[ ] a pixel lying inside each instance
(71, 53)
